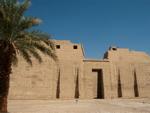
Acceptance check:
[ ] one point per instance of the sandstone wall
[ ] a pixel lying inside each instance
(121, 74)
(90, 78)
(49, 80)
(35, 82)
(133, 70)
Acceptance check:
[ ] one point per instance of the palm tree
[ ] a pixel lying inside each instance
(17, 38)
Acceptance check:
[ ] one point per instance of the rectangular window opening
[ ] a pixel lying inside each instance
(57, 46)
(75, 47)
(114, 49)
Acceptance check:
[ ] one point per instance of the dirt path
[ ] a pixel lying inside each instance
(82, 106)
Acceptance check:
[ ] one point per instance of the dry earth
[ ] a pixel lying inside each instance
(81, 106)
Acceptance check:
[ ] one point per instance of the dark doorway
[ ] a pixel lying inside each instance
(100, 84)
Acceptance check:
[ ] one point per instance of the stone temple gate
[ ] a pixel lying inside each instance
(120, 74)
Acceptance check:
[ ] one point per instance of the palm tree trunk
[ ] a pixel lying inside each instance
(5, 70)
(4, 82)
(3, 104)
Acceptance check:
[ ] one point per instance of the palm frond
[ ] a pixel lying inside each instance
(24, 6)
(26, 56)
(39, 45)
(45, 50)
(15, 60)
(32, 47)
(35, 54)
(16, 29)
(27, 23)
(11, 13)
(37, 35)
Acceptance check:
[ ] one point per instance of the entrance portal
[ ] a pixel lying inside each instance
(100, 84)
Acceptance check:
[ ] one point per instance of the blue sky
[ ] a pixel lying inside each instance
(96, 24)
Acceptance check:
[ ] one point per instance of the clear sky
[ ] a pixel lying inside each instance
(96, 24)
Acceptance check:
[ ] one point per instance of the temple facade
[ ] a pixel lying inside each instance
(120, 74)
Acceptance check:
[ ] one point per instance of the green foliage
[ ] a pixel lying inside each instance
(17, 34)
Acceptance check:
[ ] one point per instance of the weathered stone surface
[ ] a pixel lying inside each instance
(121, 74)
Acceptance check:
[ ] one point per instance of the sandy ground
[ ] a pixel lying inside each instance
(82, 106)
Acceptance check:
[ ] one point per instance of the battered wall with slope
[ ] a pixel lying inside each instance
(133, 70)
(125, 74)
(49, 80)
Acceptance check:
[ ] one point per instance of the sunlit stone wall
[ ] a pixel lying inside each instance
(121, 74)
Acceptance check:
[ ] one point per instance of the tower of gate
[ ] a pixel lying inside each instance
(130, 72)
(70, 66)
